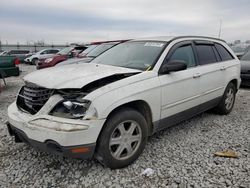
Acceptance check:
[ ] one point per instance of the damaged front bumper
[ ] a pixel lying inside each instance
(85, 151)
(65, 137)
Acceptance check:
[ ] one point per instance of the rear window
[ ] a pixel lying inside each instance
(224, 54)
(206, 54)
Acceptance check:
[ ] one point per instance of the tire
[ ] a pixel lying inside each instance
(227, 102)
(33, 61)
(122, 151)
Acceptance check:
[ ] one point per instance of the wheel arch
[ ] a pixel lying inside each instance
(236, 83)
(139, 105)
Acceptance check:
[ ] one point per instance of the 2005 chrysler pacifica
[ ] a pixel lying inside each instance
(109, 107)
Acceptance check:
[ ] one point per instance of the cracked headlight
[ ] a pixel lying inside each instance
(73, 109)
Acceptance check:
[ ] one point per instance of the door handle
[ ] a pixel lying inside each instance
(223, 68)
(197, 75)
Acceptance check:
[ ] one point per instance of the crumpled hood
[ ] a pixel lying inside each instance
(73, 76)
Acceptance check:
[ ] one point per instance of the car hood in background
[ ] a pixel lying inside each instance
(75, 60)
(74, 76)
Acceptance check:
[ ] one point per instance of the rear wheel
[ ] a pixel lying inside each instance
(123, 138)
(227, 102)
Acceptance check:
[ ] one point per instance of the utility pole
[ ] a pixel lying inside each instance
(0, 45)
(220, 28)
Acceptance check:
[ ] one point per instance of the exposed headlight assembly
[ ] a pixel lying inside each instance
(73, 109)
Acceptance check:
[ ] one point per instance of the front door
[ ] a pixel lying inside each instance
(180, 90)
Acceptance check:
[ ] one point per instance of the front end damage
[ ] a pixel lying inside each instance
(85, 151)
(59, 121)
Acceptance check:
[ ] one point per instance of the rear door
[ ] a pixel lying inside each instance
(45, 54)
(212, 81)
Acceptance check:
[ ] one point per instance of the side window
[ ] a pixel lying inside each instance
(44, 52)
(216, 54)
(184, 53)
(53, 51)
(12, 52)
(205, 54)
(224, 54)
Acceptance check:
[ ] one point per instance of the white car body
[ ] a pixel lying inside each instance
(166, 95)
(43, 54)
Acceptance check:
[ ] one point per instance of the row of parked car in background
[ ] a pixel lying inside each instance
(84, 54)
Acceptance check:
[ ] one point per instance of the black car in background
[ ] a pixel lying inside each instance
(245, 69)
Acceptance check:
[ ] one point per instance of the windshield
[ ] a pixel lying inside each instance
(246, 57)
(100, 49)
(65, 51)
(137, 55)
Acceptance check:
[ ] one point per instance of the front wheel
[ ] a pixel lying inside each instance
(227, 102)
(123, 138)
(34, 61)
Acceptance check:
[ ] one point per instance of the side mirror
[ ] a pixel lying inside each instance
(173, 66)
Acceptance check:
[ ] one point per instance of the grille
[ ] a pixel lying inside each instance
(33, 98)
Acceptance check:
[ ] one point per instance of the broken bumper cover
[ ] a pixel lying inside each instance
(81, 151)
(65, 137)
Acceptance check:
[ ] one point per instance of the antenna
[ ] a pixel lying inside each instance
(220, 28)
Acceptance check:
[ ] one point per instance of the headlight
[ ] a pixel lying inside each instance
(48, 60)
(73, 109)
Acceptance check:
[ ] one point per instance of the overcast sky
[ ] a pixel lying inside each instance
(61, 21)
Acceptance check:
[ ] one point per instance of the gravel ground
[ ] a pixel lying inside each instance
(181, 156)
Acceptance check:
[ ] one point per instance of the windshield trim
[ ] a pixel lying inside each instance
(157, 58)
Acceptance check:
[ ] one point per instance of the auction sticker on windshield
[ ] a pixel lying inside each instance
(154, 44)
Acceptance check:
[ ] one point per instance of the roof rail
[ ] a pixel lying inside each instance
(201, 37)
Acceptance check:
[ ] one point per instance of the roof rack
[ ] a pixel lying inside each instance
(202, 37)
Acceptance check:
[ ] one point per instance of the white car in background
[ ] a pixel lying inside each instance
(109, 107)
(43, 54)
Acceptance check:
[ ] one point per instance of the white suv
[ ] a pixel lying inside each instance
(109, 107)
(43, 54)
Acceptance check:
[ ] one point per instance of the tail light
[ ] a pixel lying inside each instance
(17, 62)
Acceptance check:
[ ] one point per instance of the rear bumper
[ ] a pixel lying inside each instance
(85, 151)
(8, 72)
(245, 79)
